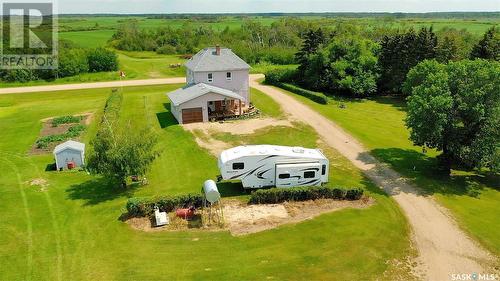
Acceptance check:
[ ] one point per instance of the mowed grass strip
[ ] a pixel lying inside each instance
(378, 123)
(85, 240)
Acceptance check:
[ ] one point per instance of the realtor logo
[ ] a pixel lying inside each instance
(28, 35)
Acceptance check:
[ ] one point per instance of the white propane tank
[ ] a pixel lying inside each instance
(211, 192)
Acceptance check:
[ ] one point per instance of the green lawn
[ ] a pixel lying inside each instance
(88, 39)
(72, 230)
(378, 123)
(265, 104)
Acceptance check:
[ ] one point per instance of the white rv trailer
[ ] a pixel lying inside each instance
(272, 165)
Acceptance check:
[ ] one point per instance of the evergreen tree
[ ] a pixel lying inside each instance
(400, 52)
(488, 47)
(312, 42)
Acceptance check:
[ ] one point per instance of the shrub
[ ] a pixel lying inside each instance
(72, 62)
(314, 96)
(276, 76)
(65, 120)
(166, 50)
(279, 195)
(101, 59)
(142, 207)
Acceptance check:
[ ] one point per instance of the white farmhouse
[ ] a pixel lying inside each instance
(70, 153)
(217, 86)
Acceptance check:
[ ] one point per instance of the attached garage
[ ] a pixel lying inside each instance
(191, 104)
(192, 115)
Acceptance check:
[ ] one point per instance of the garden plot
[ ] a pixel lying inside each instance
(59, 129)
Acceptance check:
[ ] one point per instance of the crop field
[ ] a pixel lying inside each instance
(379, 124)
(69, 228)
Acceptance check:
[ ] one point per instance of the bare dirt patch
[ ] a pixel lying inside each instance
(203, 131)
(39, 182)
(176, 224)
(241, 218)
(244, 219)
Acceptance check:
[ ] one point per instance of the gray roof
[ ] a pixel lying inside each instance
(188, 93)
(207, 60)
(70, 144)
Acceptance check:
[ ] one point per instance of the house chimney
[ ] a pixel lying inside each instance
(217, 50)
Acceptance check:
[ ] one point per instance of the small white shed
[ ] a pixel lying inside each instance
(69, 151)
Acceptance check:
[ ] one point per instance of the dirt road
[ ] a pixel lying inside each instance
(444, 249)
(93, 85)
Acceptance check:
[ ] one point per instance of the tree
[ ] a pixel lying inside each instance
(447, 50)
(488, 47)
(72, 62)
(123, 153)
(353, 64)
(119, 152)
(400, 52)
(312, 41)
(101, 59)
(455, 109)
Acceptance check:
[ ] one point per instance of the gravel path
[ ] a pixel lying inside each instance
(92, 85)
(444, 249)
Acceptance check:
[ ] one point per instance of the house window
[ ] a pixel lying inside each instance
(238, 166)
(210, 78)
(229, 76)
(323, 170)
(309, 174)
(284, 176)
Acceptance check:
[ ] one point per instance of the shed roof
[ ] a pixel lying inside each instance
(188, 93)
(69, 144)
(208, 60)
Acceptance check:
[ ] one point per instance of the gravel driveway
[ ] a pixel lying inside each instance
(444, 249)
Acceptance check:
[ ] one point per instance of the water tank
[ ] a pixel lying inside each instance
(211, 192)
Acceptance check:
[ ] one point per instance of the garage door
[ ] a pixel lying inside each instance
(191, 115)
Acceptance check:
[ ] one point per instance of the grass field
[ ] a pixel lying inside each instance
(378, 123)
(72, 231)
(475, 26)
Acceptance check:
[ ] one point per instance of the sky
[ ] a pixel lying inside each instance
(266, 6)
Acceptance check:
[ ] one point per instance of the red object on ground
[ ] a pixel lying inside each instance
(71, 165)
(185, 213)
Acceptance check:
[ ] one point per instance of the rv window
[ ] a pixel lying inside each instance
(309, 174)
(284, 176)
(238, 166)
(323, 170)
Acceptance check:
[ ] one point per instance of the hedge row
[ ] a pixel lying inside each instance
(143, 207)
(283, 77)
(279, 75)
(314, 96)
(112, 107)
(279, 195)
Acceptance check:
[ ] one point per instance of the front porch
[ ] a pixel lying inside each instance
(227, 108)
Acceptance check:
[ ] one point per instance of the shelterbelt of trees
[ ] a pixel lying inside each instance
(351, 64)
(453, 96)
(71, 61)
